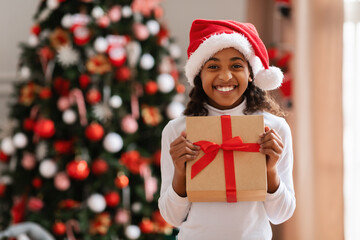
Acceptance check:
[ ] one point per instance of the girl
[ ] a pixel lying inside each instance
(228, 67)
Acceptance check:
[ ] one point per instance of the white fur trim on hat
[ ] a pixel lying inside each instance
(265, 79)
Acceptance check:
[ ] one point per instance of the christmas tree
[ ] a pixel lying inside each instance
(98, 81)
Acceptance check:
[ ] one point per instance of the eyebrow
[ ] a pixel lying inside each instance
(231, 59)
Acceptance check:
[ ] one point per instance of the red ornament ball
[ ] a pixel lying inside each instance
(84, 80)
(45, 128)
(3, 157)
(93, 96)
(121, 181)
(157, 157)
(28, 124)
(180, 89)
(59, 228)
(37, 182)
(2, 189)
(45, 93)
(146, 226)
(151, 87)
(112, 199)
(99, 166)
(94, 132)
(78, 169)
(123, 74)
(35, 29)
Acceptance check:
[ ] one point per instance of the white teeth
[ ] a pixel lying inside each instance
(225, 89)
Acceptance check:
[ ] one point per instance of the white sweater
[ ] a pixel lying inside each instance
(222, 220)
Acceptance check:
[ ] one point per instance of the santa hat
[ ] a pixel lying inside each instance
(207, 37)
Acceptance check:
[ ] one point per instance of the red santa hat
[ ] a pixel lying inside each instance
(207, 37)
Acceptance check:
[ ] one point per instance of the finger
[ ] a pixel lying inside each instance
(180, 162)
(182, 149)
(270, 137)
(272, 145)
(270, 153)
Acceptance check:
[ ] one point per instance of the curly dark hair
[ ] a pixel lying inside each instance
(256, 100)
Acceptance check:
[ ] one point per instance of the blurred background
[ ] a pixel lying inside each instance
(317, 44)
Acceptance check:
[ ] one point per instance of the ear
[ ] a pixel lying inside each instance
(250, 79)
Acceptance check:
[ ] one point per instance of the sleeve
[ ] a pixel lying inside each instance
(173, 208)
(280, 205)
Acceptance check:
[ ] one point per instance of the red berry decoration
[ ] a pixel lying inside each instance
(37, 182)
(3, 157)
(45, 128)
(78, 169)
(36, 29)
(146, 226)
(94, 132)
(59, 228)
(157, 157)
(45, 93)
(122, 181)
(2, 189)
(112, 199)
(93, 96)
(99, 166)
(123, 74)
(180, 88)
(151, 87)
(84, 80)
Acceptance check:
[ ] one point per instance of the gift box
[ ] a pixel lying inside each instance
(230, 167)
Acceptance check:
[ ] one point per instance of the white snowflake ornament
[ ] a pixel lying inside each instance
(67, 56)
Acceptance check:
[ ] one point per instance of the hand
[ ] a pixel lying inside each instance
(272, 146)
(181, 151)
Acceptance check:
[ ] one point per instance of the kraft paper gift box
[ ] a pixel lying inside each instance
(230, 143)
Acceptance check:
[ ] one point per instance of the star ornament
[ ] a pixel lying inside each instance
(67, 56)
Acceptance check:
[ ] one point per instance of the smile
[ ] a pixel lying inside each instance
(225, 88)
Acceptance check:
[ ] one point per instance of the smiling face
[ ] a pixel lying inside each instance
(225, 77)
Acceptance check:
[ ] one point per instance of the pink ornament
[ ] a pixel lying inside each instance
(141, 31)
(115, 13)
(103, 21)
(63, 103)
(28, 161)
(62, 181)
(122, 216)
(35, 204)
(129, 124)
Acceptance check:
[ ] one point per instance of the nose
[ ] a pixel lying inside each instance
(225, 75)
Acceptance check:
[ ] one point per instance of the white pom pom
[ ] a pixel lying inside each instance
(175, 109)
(20, 140)
(7, 146)
(132, 232)
(165, 83)
(101, 44)
(113, 142)
(97, 12)
(33, 40)
(48, 168)
(153, 26)
(25, 73)
(96, 202)
(52, 4)
(67, 21)
(147, 61)
(269, 79)
(69, 116)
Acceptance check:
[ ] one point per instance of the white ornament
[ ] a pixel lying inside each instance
(153, 26)
(52, 4)
(20, 140)
(136, 207)
(25, 73)
(48, 168)
(102, 112)
(133, 53)
(166, 82)
(96, 202)
(33, 40)
(101, 44)
(175, 109)
(7, 146)
(69, 116)
(147, 61)
(126, 11)
(175, 50)
(67, 56)
(67, 21)
(113, 142)
(115, 101)
(132, 232)
(97, 12)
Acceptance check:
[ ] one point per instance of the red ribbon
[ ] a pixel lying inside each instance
(229, 145)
